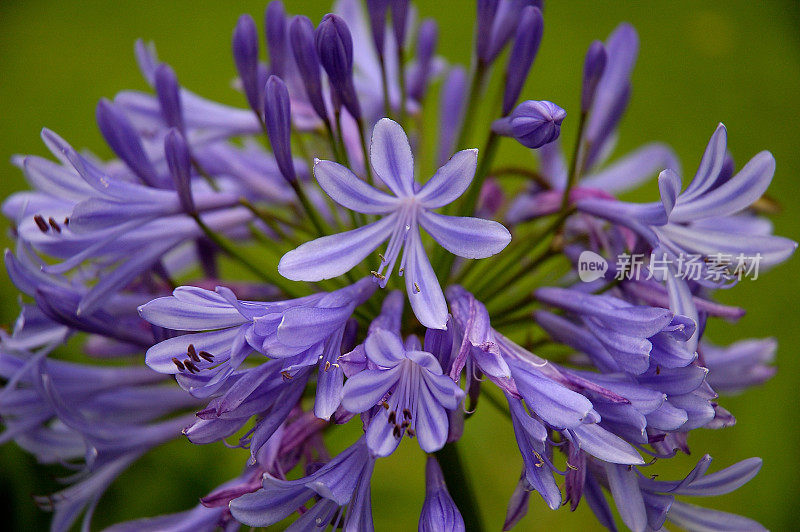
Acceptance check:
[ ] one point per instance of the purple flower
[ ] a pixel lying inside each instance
(344, 481)
(439, 512)
(532, 123)
(415, 392)
(409, 207)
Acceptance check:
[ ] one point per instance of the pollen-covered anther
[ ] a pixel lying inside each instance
(392, 417)
(54, 224)
(190, 366)
(192, 352)
(572, 466)
(178, 364)
(286, 375)
(411, 433)
(41, 223)
(383, 259)
(206, 355)
(406, 413)
(377, 275)
(416, 288)
(327, 365)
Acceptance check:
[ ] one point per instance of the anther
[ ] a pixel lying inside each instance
(43, 227)
(66, 220)
(392, 417)
(54, 225)
(286, 375)
(383, 259)
(405, 425)
(400, 271)
(385, 405)
(377, 275)
(416, 288)
(396, 432)
(406, 413)
(572, 466)
(192, 352)
(190, 366)
(208, 356)
(630, 468)
(658, 370)
(411, 433)
(178, 363)
(327, 365)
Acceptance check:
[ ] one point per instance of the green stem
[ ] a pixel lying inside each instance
(402, 80)
(574, 167)
(387, 105)
(316, 220)
(459, 486)
(363, 136)
(232, 252)
(475, 89)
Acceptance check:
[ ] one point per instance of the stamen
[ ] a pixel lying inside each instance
(572, 466)
(54, 225)
(377, 275)
(178, 363)
(406, 413)
(208, 356)
(392, 417)
(327, 365)
(411, 432)
(396, 432)
(192, 352)
(385, 405)
(190, 366)
(66, 221)
(383, 259)
(43, 227)
(416, 288)
(658, 370)
(286, 375)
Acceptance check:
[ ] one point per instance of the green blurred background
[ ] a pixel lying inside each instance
(700, 63)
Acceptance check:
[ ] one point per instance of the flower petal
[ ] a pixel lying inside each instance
(365, 389)
(471, 238)
(422, 286)
(449, 181)
(390, 155)
(333, 255)
(346, 189)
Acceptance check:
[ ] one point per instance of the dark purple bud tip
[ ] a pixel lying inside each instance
(275, 27)
(533, 123)
(179, 162)
(377, 17)
(593, 68)
(335, 50)
(523, 52)
(245, 55)
(278, 121)
(123, 138)
(301, 37)
(169, 96)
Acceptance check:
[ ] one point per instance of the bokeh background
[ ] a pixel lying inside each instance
(700, 63)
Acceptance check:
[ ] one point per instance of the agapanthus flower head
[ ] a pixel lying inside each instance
(135, 261)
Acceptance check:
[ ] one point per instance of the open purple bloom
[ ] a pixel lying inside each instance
(344, 481)
(411, 384)
(409, 207)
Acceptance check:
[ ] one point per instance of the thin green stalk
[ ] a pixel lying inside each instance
(387, 105)
(458, 484)
(475, 89)
(363, 136)
(232, 252)
(402, 75)
(574, 167)
(318, 223)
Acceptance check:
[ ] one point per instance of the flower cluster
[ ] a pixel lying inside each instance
(300, 192)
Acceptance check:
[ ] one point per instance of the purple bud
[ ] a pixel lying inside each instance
(451, 109)
(593, 68)
(335, 50)
(169, 96)
(122, 137)
(245, 55)
(506, 20)
(275, 28)
(277, 117)
(301, 36)
(179, 162)
(439, 512)
(426, 46)
(377, 19)
(526, 44)
(399, 20)
(518, 504)
(483, 27)
(533, 123)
